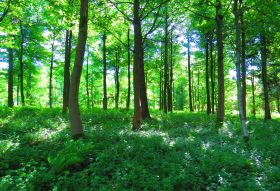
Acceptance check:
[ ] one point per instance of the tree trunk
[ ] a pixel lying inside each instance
(137, 61)
(128, 70)
(220, 48)
(165, 90)
(76, 122)
(105, 101)
(21, 67)
(198, 93)
(51, 75)
(87, 78)
(10, 78)
(212, 74)
(18, 87)
(208, 102)
(238, 73)
(189, 76)
(117, 82)
(66, 85)
(253, 93)
(170, 96)
(267, 114)
(243, 58)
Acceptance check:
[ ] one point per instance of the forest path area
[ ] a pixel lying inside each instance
(179, 151)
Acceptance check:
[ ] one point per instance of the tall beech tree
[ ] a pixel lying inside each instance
(76, 122)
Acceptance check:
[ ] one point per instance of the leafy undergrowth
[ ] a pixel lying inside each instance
(180, 151)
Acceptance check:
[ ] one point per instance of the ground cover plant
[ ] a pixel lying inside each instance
(178, 151)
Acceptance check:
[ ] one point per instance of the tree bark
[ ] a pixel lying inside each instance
(137, 61)
(128, 70)
(75, 118)
(208, 102)
(51, 75)
(220, 48)
(170, 96)
(10, 78)
(264, 50)
(253, 93)
(189, 76)
(238, 54)
(21, 67)
(105, 101)
(212, 74)
(166, 81)
(67, 62)
(117, 82)
(87, 78)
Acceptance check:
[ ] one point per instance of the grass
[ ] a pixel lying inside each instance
(179, 151)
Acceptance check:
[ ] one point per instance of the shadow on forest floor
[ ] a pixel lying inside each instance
(179, 151)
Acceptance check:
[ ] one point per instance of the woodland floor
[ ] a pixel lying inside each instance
(180, 151)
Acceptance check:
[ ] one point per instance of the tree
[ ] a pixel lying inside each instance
(10, 78)
(76, 122)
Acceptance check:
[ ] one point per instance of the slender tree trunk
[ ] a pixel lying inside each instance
(161, 77)
(11, 78)
(253, 93)
(18, 87)
(243, 58)
(193, 91)
(105, 101)
(238, 53)
(267, 114)
(189, 76)
(208, 102)
(165, 90)
(170, 96)
(212, 73)
(87, 78)
(76, 122)
(220, 48)
(278, 104)
(21, 67)
(67, 62)
(117, 82)
(51, 75)
(198, 93)
(136, 64)
(128, 70)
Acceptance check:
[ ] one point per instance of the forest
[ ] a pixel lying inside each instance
(139, 95)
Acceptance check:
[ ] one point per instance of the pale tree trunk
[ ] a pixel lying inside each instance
(75, 118)
(105, 102)
(10, 78)
(136, 64)
(128, 70)
(238, 73)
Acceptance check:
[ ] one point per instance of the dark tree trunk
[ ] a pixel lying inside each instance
(208, 102)
(166, 81)
(243, 59)
(128, 70)
(264, 50)
(220, 48)
(212, 76)
(75, 118)
(51, 75)
(189, 76)
(18, 87)
(253, 93)
(87, 78)
(161, 77)
(11, 78)
(137, 61)
(170, 96)
(105, 101)
(66, 85)
(198, 93)
(117, 81)
(21, 67)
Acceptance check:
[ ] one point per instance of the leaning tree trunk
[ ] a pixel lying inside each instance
(220, 48)
(267, 114)
(10, 78)
(51, 75)
(189, 76)
(208, 102)
(238, 73)
(105, 101)
(66, 85)
(128, 70)
(75, 118)
(136, 64)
